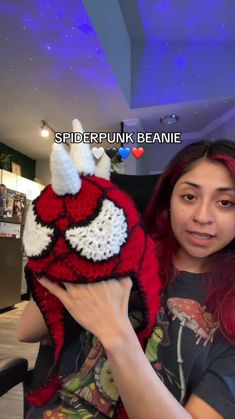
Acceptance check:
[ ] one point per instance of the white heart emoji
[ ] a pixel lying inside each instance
(97, 152)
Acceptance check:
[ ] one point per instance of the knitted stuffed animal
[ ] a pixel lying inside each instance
(84, 229)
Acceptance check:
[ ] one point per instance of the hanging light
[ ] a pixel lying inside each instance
(45, 129)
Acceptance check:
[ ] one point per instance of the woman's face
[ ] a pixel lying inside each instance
(202, 213)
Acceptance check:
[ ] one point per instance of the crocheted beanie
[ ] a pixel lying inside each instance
(84, 229)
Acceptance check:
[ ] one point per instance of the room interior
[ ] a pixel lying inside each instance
(110, 62)
(120, 67)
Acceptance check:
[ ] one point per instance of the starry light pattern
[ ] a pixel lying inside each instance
(188, 55)
(60, 35)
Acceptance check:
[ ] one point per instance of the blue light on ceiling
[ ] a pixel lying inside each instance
(191, 53)
(86, 28)
(63, 34)
(188, 55)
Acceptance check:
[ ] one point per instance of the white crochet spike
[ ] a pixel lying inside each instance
(64, 176)
(81, 153)
(103, 167)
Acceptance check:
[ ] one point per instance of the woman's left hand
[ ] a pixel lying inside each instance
(101, 307)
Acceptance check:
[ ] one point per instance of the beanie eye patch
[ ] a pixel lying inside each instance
(36, 237)
(103, 237)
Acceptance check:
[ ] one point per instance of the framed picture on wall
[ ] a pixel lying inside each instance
(16, 169)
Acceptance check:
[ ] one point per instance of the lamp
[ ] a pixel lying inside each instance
(45, 129)
(169, 119)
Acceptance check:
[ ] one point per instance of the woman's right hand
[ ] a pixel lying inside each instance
(101, 307)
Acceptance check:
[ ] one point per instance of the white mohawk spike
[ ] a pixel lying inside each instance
(81, 153)
(103, 167)
(64, 176)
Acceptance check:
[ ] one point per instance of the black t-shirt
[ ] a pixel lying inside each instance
(185, 349)
(188, 352)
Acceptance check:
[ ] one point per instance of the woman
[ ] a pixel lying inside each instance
(190, 370)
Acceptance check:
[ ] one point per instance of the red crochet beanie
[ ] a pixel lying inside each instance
(84, 229)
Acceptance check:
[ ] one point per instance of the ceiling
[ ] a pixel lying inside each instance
(110, 60)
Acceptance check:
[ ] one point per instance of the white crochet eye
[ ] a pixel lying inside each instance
(36, 237)
(103, 236)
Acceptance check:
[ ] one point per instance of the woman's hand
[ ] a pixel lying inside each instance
(101, 307)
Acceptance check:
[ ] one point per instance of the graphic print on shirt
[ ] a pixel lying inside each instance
(93, 384)
(62, 412)
(90, 392)
(160, 337)
(195, 317)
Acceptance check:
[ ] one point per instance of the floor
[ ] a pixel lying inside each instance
(11, 404)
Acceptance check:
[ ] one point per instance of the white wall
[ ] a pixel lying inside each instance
(226, 131)
(156, 156)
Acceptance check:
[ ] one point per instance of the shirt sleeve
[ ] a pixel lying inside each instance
(217, 386)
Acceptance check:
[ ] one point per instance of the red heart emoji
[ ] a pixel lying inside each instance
(137, 152)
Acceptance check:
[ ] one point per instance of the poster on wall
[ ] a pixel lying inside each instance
(12, 205)
(16, 169)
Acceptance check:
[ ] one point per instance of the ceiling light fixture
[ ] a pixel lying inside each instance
(169, 119)
(45, 129)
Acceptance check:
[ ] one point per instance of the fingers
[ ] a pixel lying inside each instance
(55, 289)
(68, 285)
(127, 282)
(71, 289)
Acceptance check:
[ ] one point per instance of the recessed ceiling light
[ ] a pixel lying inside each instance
(169, 119)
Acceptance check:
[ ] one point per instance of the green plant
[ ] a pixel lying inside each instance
(5, 161)
(114, 161)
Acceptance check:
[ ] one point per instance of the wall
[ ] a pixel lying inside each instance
(156, 156)
(226, 130)
(43, 171)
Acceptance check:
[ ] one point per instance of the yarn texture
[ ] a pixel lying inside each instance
(92, 234)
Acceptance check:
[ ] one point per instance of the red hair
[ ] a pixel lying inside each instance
(220, 279)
